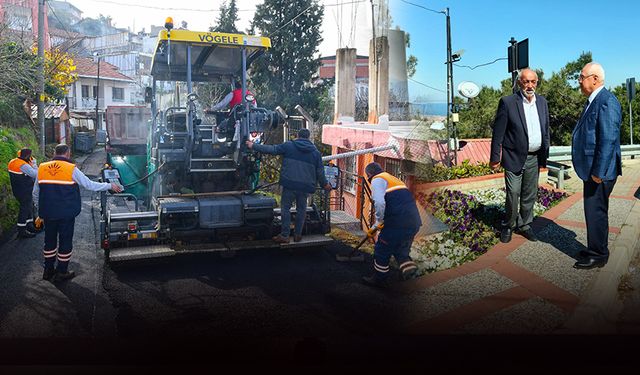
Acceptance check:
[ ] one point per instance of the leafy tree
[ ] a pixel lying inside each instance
(226, 22)
(478, 115)
(412, 61)
(286, 75)
(565, 100)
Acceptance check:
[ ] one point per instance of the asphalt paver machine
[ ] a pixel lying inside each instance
(198, 190)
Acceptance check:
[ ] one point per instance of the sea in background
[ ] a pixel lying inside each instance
(433, 109)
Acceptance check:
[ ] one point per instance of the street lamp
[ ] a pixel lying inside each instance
(97, 90)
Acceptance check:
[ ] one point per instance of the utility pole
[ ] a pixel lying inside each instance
(97, 124)
(375, 60)
(41, 74)
(451, 131)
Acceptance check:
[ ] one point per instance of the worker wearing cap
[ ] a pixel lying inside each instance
(398, 220)
(57, 194)
(22, 173)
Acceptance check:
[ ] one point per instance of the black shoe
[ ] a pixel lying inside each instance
(528, 234)
(62, 276)
(25, 234)
(375, 282)
(48, 273)
(505, 235)
(585, 254)
(410, 274)
(590, 263)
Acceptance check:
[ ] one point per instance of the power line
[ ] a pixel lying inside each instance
(163, 8)
(309, 7)
(485, 64)
(425, 8)
(425, 85)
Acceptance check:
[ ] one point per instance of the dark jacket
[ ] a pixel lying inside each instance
(595, 146)
(301, 165)
(510, 133)
(59, 196)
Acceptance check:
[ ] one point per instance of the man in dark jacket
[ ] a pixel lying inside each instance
(57, 193)
(520, 144)
(22, 173)
(301, 170)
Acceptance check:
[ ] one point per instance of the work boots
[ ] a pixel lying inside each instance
(23, 233)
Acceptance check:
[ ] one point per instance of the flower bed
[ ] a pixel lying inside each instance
(473, 219)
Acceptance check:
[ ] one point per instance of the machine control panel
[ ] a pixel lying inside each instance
(111, 175)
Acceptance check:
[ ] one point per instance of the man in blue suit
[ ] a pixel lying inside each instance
(520, 143)
(595, 152)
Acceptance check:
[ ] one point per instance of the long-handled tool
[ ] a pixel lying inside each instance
(351, 257)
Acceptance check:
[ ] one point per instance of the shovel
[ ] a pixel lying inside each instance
(351, 257)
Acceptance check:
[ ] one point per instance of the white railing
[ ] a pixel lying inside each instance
(563, 153)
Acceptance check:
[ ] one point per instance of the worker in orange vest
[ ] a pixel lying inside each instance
(22, 173)
(398, 220)
(57, 194)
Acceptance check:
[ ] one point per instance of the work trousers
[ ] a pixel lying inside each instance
(286, 201)
(596, 214)
(522, 192)
(58, 243)
(394, 242)
(25, 215)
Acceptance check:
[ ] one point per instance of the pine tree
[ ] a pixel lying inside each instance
(285, 76)
(226, 22)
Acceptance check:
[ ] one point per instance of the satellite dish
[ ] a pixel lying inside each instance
(468, 89)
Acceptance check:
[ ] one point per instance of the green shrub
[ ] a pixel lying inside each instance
(439, 172)
(11, 140)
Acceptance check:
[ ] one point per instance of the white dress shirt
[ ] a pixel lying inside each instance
(533, 123)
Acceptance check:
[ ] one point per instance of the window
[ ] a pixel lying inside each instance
(392, 166)
(85, 91)
(18, 17)
(117, 94)
(95, 91)
(350, 177)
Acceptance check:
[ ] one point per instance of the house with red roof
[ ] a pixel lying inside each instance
(104, 83)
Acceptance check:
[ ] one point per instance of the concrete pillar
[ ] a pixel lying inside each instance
(378, 79)
(345, 104)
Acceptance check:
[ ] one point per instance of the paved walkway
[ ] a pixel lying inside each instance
(531, 287)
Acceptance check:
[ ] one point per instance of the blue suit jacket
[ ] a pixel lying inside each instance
(595, 146)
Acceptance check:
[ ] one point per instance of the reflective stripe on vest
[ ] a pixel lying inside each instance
(15, 165)
(57, 172)
(393, 183)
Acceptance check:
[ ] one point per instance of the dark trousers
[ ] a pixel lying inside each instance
(58, 243)
(596, 214)
(286, 201)
(396, 242)
(522, 192)
(25, 215)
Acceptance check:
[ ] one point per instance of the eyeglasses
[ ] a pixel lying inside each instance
(531, 81)
(582, 78)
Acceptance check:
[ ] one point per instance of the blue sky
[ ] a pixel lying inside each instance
(558, 32)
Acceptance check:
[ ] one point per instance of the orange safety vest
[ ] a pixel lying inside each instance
(21, 183)
(400, 211)
(59, 196)
(393, 183)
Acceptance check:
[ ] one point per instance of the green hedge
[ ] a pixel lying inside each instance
(12, 140)
(439, 172)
